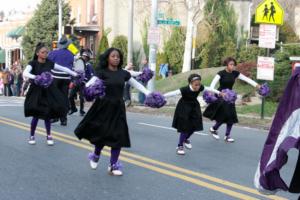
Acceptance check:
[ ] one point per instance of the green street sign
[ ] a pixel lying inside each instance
(170, 22)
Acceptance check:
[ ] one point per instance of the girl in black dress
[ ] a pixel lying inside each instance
(43, 103)
(188, 117)
(105, 123)
(222, 111)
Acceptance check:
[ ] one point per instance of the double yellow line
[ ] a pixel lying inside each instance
(200, 179)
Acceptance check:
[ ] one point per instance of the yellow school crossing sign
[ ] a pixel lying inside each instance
(269, 12)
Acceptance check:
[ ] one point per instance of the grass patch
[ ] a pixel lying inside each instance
(180, 80)
(270, 109)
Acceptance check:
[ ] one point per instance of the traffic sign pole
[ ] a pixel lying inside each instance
(263, 100)
(268, 14)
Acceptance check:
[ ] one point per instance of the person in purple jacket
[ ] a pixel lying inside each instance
(62, 56)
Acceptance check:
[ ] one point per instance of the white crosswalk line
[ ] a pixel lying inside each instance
(168, 128)
(11, 101)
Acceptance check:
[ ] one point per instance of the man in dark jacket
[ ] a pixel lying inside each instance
(63, 57)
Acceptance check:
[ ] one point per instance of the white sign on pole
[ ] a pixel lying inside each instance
(265, 68)
(267, 36)
(153, 36)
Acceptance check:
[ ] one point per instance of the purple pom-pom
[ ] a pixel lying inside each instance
(230, 96)
(95, 90)
(146, 75)
(264, 90)
(209, 97)
(44, 79)
(80, 78)
(155, 100)
(117, 166)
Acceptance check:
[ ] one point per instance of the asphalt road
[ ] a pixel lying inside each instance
(212, 170)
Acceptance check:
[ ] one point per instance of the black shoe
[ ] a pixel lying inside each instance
(82, 113)
(72, 111)
(54, 120)
(63, 123)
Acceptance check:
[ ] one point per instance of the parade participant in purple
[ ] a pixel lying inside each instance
(284, 135)
(222, 111)
(105, 123)
(78, 87)
(65, 58)
(188, 117)
(43, 100)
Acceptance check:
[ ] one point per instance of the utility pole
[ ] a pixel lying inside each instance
(130, 32)
(153, 47)
(59, 18)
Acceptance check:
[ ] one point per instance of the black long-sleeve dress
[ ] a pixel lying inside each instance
(188, 117)
(44, 103)
(105, 123)
(222, 111)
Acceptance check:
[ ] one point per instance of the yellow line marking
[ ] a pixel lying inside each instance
(169, 166)
(150, 167)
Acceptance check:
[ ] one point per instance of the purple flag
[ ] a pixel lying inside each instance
(283, 136)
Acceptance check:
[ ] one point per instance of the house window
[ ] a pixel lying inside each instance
(78, 15)
(96, 7)
(88, 11)
(92, 43)
(92, 6)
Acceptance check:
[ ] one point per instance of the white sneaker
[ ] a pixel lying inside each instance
(115, 170)
(93, 164)
(180, 150)
(228, 139)
(214, 133)
(188, 144)
(31, 140)
(50, 141)
(93, 160)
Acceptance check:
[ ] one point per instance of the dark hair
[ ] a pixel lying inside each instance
(194, 77)
(83, 50)
(104, 58)
(228, 60)
(38, 47)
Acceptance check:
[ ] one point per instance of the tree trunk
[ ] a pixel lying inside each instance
(188, 43)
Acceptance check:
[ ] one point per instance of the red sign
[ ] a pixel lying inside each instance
(265, 68)
(267, 36)
(153, 36)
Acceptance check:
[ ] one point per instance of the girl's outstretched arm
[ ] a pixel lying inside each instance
(172, 93)
(27, 72)
(138, 86)
(134, 73)
(248, 80)
(64, 69)
(215, 81)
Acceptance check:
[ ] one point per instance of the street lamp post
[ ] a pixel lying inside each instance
(130, 32)
(153, 47)
(59, 18)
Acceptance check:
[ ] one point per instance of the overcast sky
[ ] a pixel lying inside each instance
(7, 5)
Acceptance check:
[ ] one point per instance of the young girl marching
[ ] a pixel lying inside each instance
(105, 123)
(43, 99)
(188, 117)
(222, 111)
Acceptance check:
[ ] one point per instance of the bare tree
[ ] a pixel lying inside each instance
(195, 15)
